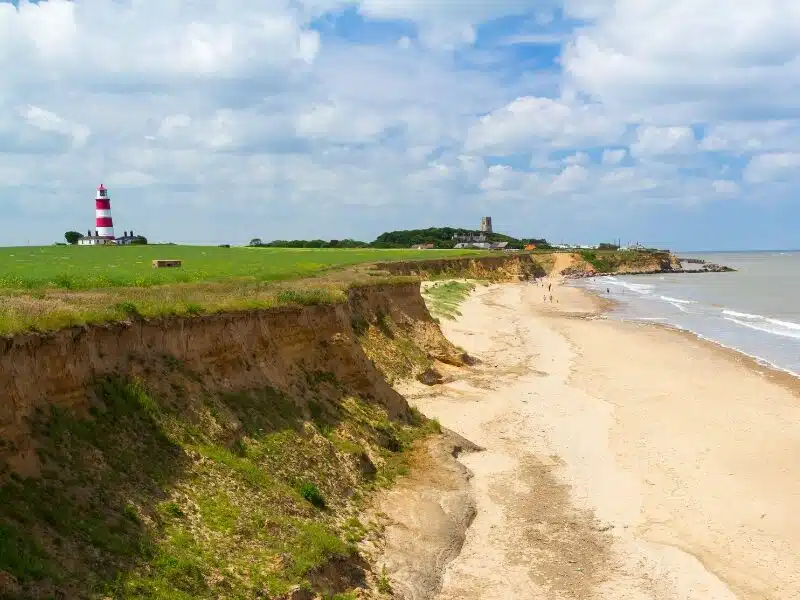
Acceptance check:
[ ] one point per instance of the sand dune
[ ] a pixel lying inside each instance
(621, 461)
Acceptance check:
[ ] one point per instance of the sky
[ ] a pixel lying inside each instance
(674, 123)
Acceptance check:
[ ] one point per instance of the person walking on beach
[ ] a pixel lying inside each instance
(549, 285)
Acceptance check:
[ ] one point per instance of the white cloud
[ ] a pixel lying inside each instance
(498, 177)
(535, 39)
(750, 137)
(683, 57)
(173, 124)
(656, 141)
(528, 122)
(336, 123)
(613, 157)
(725, 187)
(162, 39)
(579, 158)
(130, 178)
(774, 166)
(51, 122)
(573, 176)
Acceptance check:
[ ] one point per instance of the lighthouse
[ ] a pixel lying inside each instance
(103, 222)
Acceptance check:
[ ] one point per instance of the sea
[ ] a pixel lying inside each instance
(755, 310)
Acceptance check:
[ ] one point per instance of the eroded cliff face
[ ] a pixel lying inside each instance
(521, 267)
(510, 267)
(226, 352)
(589, 264)
(220, 456)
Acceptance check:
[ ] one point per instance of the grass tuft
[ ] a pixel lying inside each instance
(383, 584)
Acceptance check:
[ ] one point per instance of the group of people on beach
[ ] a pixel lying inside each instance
(549, 296)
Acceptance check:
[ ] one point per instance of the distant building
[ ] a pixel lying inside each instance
(93, 239)
(479, 240)
(127, 238)
(482, 245)
(470, 238)
(424, 246)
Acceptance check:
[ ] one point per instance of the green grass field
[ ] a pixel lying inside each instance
(85, 268)
(52, 287)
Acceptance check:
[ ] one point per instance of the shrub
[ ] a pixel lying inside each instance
(311, 492)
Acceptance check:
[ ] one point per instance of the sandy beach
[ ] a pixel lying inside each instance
(620, 460)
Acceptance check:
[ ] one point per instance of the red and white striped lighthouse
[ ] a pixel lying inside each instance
(103, 222)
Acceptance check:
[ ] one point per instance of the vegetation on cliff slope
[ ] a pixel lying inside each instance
(444, 297)
(605, 261)
(187, 494)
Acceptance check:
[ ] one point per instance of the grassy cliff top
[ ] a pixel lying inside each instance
(98, 267)
(53, 287)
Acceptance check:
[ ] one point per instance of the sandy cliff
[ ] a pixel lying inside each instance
(524, 266)
(495, 268)
(231, 352)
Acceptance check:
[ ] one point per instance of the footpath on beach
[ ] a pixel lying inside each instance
(617, 460)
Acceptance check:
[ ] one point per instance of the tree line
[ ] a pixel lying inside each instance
(440, 237)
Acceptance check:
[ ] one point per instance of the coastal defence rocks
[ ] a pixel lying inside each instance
(708, 268)
(705, 267)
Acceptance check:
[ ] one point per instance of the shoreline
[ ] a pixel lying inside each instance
(615, 460)
(759, 364)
